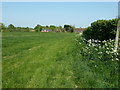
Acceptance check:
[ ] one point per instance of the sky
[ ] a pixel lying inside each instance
(79, 14)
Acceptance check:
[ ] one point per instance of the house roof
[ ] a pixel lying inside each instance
(46, 30)
(79, 30)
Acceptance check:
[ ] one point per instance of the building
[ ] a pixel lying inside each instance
(46, 30)
(78, 30)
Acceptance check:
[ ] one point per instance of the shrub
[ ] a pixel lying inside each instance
(97, 60)
(101, 30)
(97, 50)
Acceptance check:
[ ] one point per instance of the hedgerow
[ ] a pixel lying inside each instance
(101, 30)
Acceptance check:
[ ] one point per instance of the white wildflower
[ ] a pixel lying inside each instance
(117, 53)
(111, 52)
(99, 46)
(99, 41)
(106, 44)
(89, 41)
(112, 59)
(96, 49)
(93, 44)
(112, 48)
(89, 45)
(104, 41)
(96, 41)
(107, 52)
(117, 59)
(99, 52)
(114, 51)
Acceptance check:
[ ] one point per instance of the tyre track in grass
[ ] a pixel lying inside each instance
(15, 73)
(54, 73)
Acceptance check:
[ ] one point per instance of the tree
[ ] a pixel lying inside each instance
(11, 28)
(38, 28)
(52, 27)
(47, 26)
(18, 29)
(68, 28)
(2, 27)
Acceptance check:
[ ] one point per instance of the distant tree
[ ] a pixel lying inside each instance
(2, 27)
(38, 28)
(47, 26)
(52, 27)
(43, 27)
(22, 29)
(18, 29)
(27, 29)
(68, 28)
(11, 28)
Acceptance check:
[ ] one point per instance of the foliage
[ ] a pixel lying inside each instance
(38, 28)
(11, 28)
(2, 27)
(22, 29)
(98, 50)
(68, 28)
(52, 27)
(99, 63)
(101, 30)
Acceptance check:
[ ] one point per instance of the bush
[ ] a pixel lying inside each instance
(101, 30)
(97, 50)
(97, 60)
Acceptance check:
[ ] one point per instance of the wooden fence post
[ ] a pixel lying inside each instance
(117, 36)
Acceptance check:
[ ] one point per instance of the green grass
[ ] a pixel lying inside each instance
(37, 60)
(51, 60)
(94, 70)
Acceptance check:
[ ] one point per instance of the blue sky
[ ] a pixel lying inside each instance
(79, 14)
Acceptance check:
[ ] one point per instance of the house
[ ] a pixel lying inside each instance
(78, 30)
(46, 30)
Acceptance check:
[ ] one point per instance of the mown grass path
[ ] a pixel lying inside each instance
(37, 60)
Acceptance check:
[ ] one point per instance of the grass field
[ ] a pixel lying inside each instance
(51, 60)
(37, 60)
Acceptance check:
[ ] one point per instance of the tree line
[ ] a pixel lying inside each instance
(37, 28)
